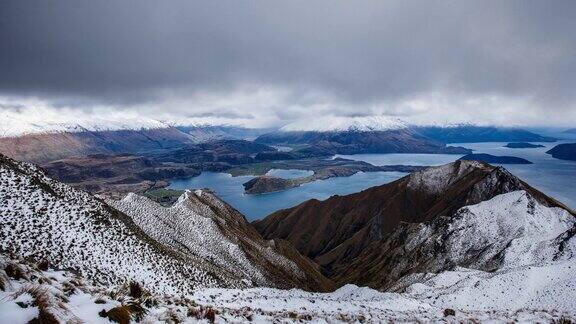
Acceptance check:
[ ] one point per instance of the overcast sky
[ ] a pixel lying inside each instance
(263, 63)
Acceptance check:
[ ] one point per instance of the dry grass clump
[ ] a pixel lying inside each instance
(563, 320)
(207, 313)
(120, 314)
(44, 302)
(210, 315)
(43, 265)
(449, 312)
(14, 271)
(132, 290)
(124, 313)
(135, 290)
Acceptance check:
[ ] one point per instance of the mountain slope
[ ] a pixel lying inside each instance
(400, 140)
(508, 231)
(46, 147)
(477, 134)
(335, 232)
(202, 226)
(41, 218)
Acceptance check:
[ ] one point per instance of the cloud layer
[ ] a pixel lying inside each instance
(270, 62)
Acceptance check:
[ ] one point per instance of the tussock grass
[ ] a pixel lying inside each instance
(14, 271)
(45, 303)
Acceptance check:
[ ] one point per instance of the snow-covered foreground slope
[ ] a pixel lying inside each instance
(546, 294)
(200, 241)
(44, 219)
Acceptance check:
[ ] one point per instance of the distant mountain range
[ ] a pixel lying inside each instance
(476, 134)
(355, 142)
(344, 124)
(49, 141)
(354, 135)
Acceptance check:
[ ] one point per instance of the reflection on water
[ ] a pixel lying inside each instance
(552, 176)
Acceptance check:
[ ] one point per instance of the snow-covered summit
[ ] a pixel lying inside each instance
(341, 124)
(438, 178)
(37, 120)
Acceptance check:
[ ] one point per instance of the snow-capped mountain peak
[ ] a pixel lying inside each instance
(38, 121)
(342, 124)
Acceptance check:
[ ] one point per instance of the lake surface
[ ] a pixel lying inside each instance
(254, 207)
(403, 159)
(554, 177)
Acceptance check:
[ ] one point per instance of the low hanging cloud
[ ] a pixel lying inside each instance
(270, 62)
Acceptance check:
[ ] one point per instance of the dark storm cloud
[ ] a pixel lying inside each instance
(355, 52)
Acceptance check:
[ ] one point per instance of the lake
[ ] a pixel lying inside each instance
(254, 207)
(552, 176)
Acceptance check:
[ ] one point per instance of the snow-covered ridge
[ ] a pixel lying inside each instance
(437, 179)
(515, 226)
(42, 218)
(340, 124)
(13, 124)
(28, 121)
(192, 226)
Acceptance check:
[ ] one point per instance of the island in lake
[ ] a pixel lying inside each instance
(488, 158)
(522, 145)
(325, 170)
(564, 151)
